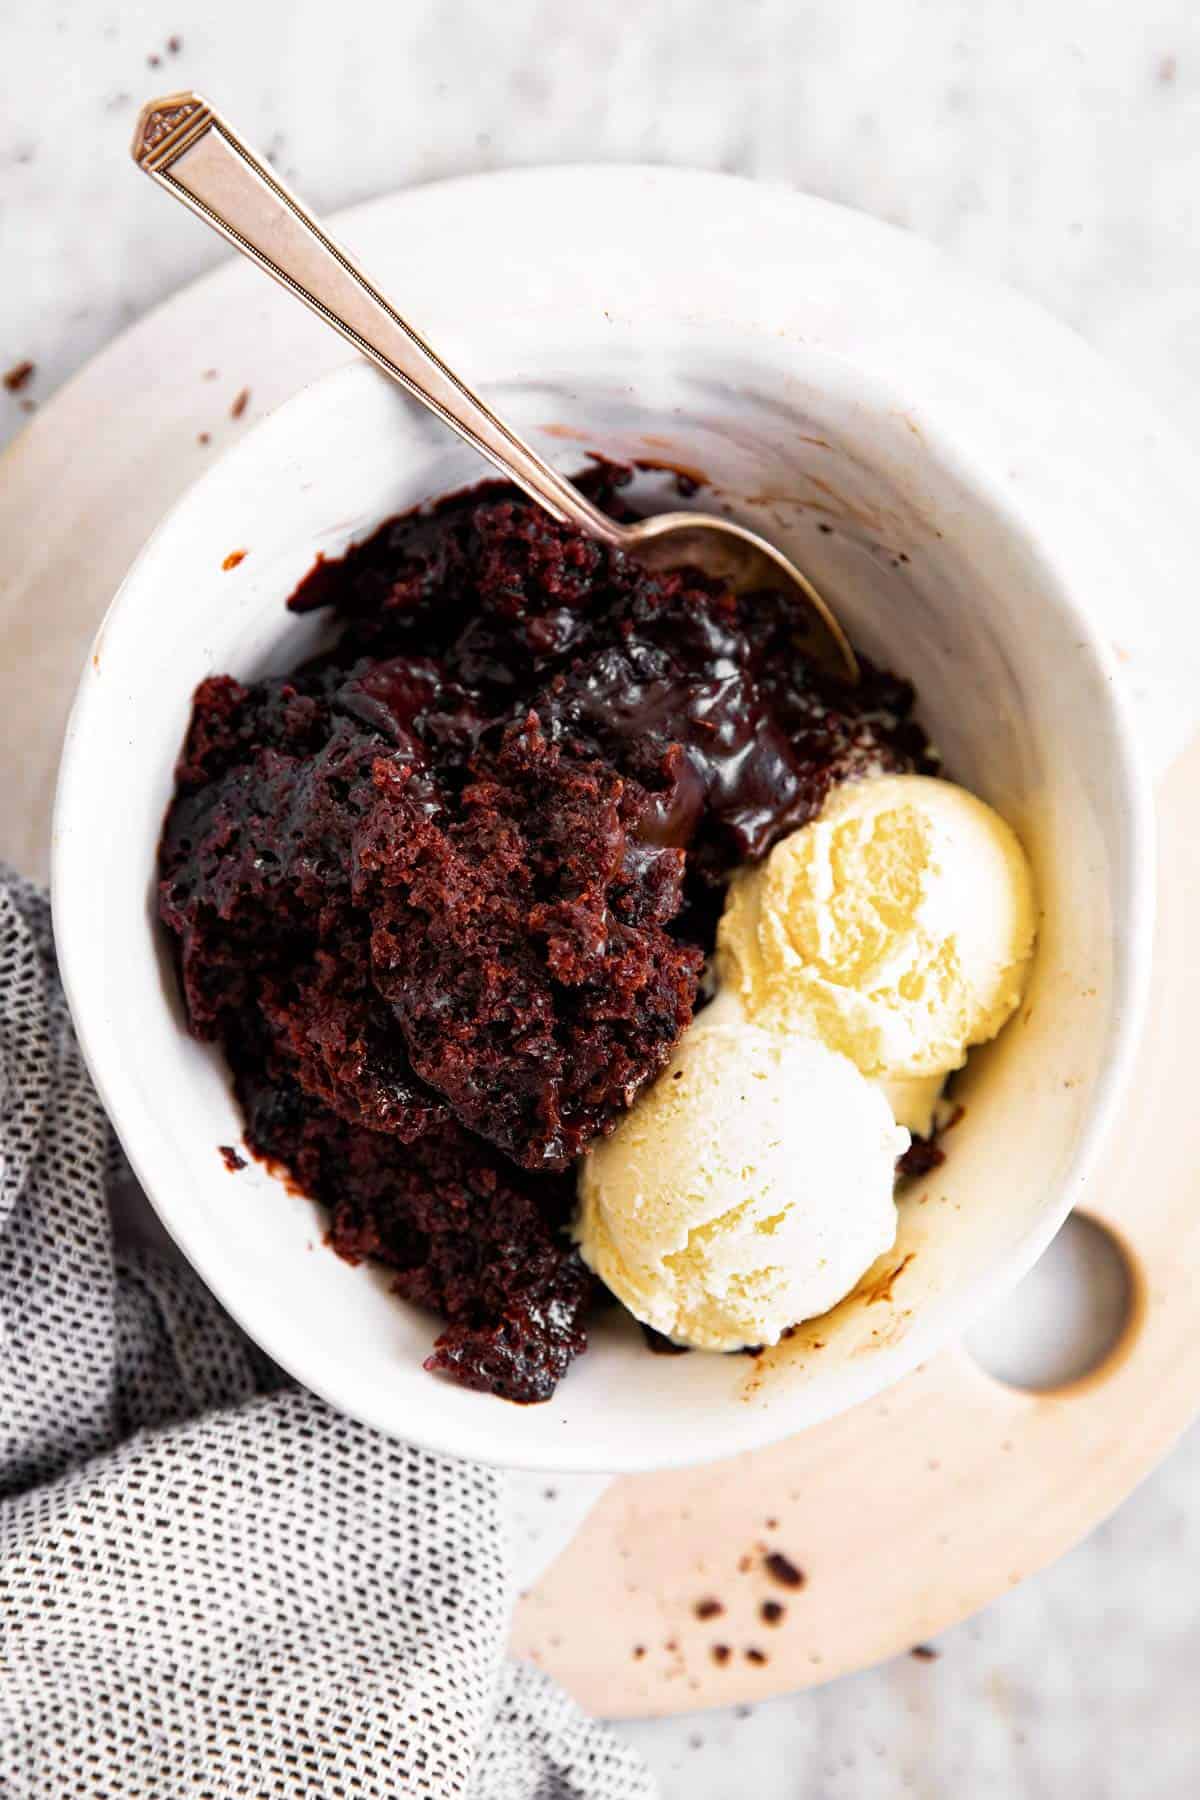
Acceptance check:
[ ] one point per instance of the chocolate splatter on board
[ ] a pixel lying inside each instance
(782, 1569)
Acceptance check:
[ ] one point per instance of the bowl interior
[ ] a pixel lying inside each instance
(931, 575)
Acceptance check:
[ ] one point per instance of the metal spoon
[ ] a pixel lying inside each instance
(192, 152)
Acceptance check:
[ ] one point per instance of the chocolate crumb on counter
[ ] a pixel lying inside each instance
(240, 403)
(233, 559)
(721, 1653)
(639, 1650)
(924, 1653)
(756, 1656)
(174, 44)
(708, 1608)
(782, 1569)
(771, 1612)
(203, 437)
(19, 376)
(229, 1156)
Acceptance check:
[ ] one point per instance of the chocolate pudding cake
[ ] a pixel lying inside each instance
(444, 894)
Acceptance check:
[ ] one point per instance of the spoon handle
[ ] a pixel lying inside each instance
(191, 151)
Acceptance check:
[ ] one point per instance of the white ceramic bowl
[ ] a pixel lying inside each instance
(936, 567)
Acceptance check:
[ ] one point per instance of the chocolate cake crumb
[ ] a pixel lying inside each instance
(721, 1653)
(240, 403)
(233, 559)
(925, 1653)
(755, 1656)
(19, 376)
(921, 1158)
(233, 1162)
(771, 1612)
(708, 1608)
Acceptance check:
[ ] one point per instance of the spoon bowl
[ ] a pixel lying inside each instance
(748, 563)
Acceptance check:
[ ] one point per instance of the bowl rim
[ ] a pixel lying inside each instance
(1133, 923)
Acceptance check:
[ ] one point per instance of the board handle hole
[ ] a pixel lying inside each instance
(1067, 1319)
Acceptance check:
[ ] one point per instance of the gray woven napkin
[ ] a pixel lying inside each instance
(211, 1584)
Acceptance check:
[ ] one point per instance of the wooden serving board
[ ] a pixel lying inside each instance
(901, 1516)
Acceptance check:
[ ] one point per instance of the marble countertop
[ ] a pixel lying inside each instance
(1055, 147)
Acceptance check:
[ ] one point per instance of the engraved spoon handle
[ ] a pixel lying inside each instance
(194, 153)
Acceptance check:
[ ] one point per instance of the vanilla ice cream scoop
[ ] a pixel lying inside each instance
(898, 926)
(748, 1188)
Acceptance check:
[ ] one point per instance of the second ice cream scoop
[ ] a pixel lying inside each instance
(749, 1187)
(898, 927)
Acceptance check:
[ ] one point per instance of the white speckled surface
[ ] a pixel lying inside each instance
(1056, 147)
